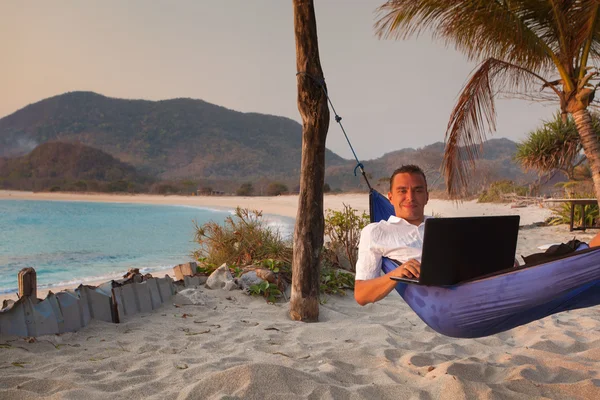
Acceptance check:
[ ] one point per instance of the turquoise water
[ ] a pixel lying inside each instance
(74, 242)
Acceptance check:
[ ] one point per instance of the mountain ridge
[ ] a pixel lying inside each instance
(185, 138)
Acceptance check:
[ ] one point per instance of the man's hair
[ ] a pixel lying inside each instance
(408, 169)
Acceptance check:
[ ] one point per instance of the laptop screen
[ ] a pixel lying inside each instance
(460, 249)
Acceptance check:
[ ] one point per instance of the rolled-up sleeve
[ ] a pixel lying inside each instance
(368, 265)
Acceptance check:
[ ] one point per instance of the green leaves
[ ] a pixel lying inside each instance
(497, 192)
(554, 146)
(243, 239)
(273, 265)
(268, 290)
(342, 228)
(562, 213)
(335, 281)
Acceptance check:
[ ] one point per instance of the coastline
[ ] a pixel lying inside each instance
(286, 205)
(278, 205)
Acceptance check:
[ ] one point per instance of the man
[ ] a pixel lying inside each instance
(399, 238)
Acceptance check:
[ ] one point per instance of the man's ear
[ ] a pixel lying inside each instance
(390, 196)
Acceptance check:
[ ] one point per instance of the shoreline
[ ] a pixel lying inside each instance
(287, 205)
(280, 206)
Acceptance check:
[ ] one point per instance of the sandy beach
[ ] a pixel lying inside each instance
(212, 344)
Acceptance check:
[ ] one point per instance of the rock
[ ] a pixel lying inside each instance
(263, 273)
(194, 281)
(130, 272)
(231, 285)
(132, 276)
(187, 269)
(219, 278)
(266, 275)
(248, 279)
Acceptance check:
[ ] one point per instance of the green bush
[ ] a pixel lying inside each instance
(243, 239)
(246, 189)
(268, 290)
(205, 267)
(496, 192)
(334, 281)
(120, 186)
(205, 190)
(562, 213)
(80, 185)
(276, 188)
(343, 230)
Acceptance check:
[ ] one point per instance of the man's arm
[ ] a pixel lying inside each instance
(372, 290)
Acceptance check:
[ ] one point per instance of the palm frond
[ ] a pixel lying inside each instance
(474, 116)
(588, 34)
(515, 36)
(554, 146)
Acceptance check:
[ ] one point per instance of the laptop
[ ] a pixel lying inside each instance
(461, 249)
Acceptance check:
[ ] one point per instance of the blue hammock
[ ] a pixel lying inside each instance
(502, 302)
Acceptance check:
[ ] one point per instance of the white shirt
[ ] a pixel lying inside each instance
(395, 238)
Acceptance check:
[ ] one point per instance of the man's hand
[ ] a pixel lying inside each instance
(410, 269)
(372, 290)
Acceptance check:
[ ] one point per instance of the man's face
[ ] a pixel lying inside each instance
(409, 196)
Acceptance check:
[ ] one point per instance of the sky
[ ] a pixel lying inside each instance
(240, 54)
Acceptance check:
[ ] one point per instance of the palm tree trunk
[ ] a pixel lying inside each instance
(590, 144)
(312, 104)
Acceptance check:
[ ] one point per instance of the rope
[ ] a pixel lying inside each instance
(338, 119)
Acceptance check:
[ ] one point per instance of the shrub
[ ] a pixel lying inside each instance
(119, 186)
(205, 190)
(343, 229)
(562, 213)
(243, 239)
(163, 188)
(498, 190)
(276, 188)
(334, 281)
(205, 267)
(80, 185)
(268, 290)
(246, 189)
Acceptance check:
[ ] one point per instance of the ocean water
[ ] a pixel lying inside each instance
(73, 242)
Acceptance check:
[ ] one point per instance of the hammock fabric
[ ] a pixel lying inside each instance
(501, 302)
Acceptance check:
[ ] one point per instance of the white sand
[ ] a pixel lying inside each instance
(235, 346)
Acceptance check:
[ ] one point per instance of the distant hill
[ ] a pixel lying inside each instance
(69, 166)
(495, 163)
(172, 139)
(207, 145)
